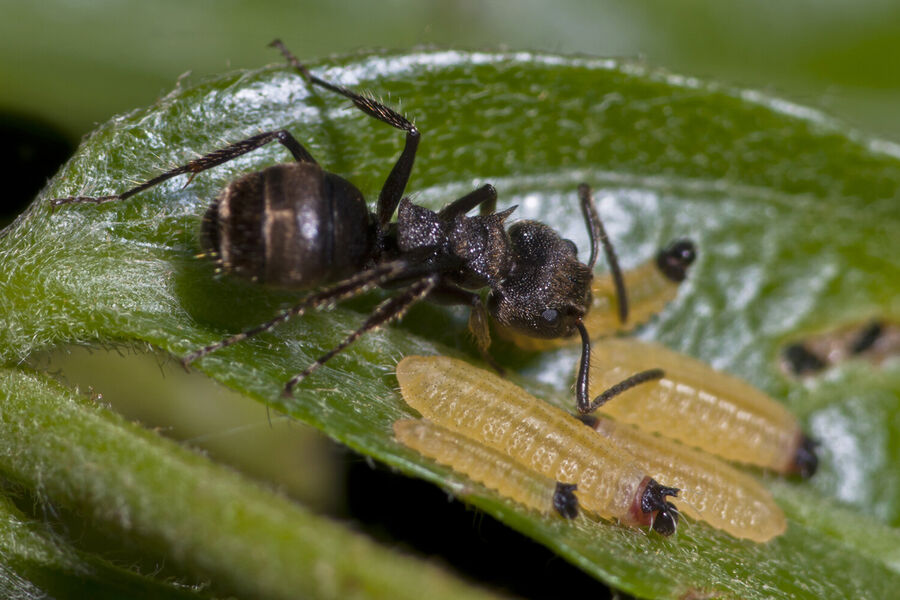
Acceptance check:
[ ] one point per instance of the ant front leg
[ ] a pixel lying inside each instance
(207, 161)
(395, 184)
(348, 288)
(485, 197)
(478, 319)
(390, 310)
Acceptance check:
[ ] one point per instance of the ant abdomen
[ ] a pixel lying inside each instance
(291, 225)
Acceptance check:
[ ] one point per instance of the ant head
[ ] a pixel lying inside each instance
(547, 289)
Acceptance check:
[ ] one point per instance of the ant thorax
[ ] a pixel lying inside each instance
(479, 245)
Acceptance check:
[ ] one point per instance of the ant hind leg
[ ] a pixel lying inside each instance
(353, 286)
(207, 161)
(390, 310)
(395, 184)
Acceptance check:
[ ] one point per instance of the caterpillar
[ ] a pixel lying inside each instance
(701, 407)
(498, 414)
(494, 469)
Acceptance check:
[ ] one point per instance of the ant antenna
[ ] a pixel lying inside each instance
(582, 400)
(598, 236)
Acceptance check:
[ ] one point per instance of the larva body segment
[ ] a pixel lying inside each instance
(650, 287)
(502, 416)
(710, 490)
(494, 469)
(701, 407)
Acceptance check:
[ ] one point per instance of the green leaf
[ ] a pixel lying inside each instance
(796, 219)
(39, 564)
(207, 520)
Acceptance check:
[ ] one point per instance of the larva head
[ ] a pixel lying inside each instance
(564, 500)
(666, 520)
(805, 459)
(655, 510)
(547, 289)
(801, 361)
(675, 259)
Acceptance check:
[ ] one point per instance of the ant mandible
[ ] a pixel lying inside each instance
(298, 226)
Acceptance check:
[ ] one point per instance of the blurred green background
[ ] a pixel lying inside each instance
(74, 63)
(66, 65)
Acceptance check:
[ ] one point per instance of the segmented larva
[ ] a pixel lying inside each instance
(701, 407)
(502, 416)
(876, 340)
(710, 490)
(650, 286)
(494, 469)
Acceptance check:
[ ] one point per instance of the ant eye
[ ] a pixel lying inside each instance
(571, 246)
(550, 315)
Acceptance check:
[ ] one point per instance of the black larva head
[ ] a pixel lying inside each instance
(674, 259)
(805, 459)
(666, 521)
(654, 500)
(800, 361)
(564, 500)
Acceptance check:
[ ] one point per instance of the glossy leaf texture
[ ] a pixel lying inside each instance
(797, 221)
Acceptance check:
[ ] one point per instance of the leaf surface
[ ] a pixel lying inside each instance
(797, 220)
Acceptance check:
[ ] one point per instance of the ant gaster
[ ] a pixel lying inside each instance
(298, 226)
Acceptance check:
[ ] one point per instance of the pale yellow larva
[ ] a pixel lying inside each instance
(494, 469)
(502, 416)
(710, 489)
(702, 407)
(875, 341)
(650, 286)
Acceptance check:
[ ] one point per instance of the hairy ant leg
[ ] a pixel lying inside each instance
(207, 161)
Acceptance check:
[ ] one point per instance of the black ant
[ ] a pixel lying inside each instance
(298, 226)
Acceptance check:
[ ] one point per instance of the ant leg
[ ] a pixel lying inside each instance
(358, 284)
(207, 161)
(598, 236)
(395, 184)
(582, 400)
(478, 319)
(390, 310)
(485, 196)
(480, 330)
(490, 207)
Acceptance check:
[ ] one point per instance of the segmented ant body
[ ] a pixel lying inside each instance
(298, 226)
